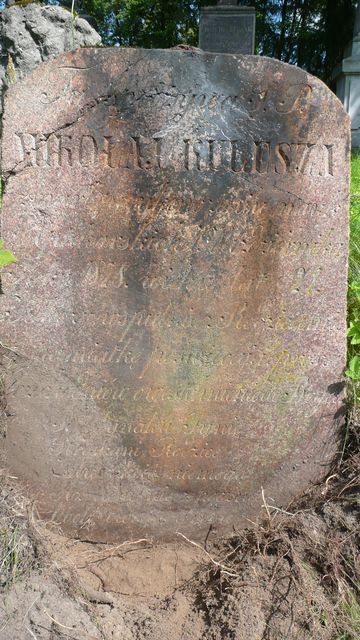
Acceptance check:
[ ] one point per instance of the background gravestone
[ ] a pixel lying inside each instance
(347, 78)
(178, 310)
(227, 28)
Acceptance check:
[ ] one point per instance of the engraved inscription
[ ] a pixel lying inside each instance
(138, 152)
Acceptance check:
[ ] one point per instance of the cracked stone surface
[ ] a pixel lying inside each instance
(177, 314)
(34, 34)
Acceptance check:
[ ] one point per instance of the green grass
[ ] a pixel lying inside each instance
(354, 259)
(11, 556)
(353, 370)
(350, 604)
(351, 609)
(6, 257)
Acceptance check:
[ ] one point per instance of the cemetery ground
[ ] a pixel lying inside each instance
(292, 575)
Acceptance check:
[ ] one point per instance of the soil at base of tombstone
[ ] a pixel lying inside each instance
(290, 576)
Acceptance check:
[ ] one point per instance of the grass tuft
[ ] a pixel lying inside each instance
(353, 370)
(17, 550)
(350, 606)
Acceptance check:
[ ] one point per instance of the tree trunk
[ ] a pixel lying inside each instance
(281, 44)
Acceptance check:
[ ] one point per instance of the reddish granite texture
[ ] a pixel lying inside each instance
(179, 304)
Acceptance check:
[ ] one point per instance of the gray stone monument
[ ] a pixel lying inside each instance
(227, 28)
(347, 79)
(32, 34)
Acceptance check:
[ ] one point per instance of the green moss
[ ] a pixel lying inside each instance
(24, 3)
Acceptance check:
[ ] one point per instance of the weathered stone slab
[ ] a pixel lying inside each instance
(227, 28)
(179, 304)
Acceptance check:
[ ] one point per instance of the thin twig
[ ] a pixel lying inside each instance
(286, 513)
(110, 552)
(58, 623)
(224, 568)
(265, 504)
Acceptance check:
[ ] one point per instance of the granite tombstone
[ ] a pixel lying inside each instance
(177, 314)
(227, 28)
